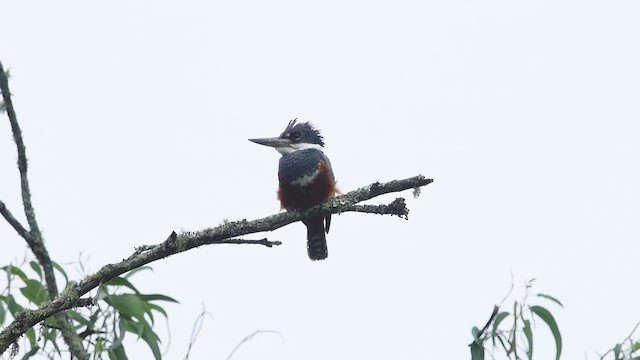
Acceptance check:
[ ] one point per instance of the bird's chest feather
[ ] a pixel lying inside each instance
(305, 180)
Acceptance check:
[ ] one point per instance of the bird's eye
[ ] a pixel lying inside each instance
(295, 135)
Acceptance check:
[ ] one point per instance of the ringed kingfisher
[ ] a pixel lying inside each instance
(305, 179)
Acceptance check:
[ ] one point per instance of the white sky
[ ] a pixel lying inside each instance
(525, 113)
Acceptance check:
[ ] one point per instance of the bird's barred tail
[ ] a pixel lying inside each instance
(316, 240)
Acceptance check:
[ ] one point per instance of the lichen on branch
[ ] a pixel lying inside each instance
(226, 233)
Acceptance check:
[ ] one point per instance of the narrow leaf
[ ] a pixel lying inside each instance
(30, 353)
(129, 305)
(529, 336)
(12, 270)
(3, 313)
(134, 271)
(477, 351)
(36, 267)
(496, 323)
(34, 291)
(31, 335)
(158, 309)
(616, 352)
(79, 318)
(122, 329)
(152, 340)
(515, 325)
(546, 316)
(475, 332)
(13, 306)
(152, 297)
(120, 281)
(549, 297)
(60, 270)
(117, 353)
(135, 327)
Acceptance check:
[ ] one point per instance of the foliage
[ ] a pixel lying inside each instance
(516, 338)
(628, 349)
(121, 309)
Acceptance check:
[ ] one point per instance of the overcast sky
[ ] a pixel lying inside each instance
(525, 113)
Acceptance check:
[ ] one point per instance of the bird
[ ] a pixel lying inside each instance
(305, 179)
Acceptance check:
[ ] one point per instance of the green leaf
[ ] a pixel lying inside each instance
(13, 306)
(549, 297)
(99, 345)
(3, 313)
(616, 352)
(12, 270)
(49, 335)
(153, 341)
(477, 351)
(157, 308)
(634, 348)
(117, 353)
(496, 323)
(134, 271)
(120, 281)
(77, 317)
(34, 291)
(143, 330)
(476, 335)
(152, 297)
(36, 267)
(33, 351)
(122, 330)
(529, 335)
(60, 270)
(31, 335)
(546, 316)
(136, 327)
(128, 305)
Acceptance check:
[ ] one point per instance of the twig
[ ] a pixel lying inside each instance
(22, 156)
(188, 240)
(13, 221)
(34, 236)
(249, 337)
(197, 326)
(628, 338)
(264, 242)
(491, 318)
(397, 208)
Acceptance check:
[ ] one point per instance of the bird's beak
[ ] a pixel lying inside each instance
(275, 142)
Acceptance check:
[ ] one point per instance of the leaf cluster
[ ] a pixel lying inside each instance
(120, 309)
(628, 349)
(511, 332)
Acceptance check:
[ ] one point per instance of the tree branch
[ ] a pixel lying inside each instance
(34, 236)
(222, 234)
(13, 221)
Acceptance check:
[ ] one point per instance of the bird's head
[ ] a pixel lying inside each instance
(296, 136)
